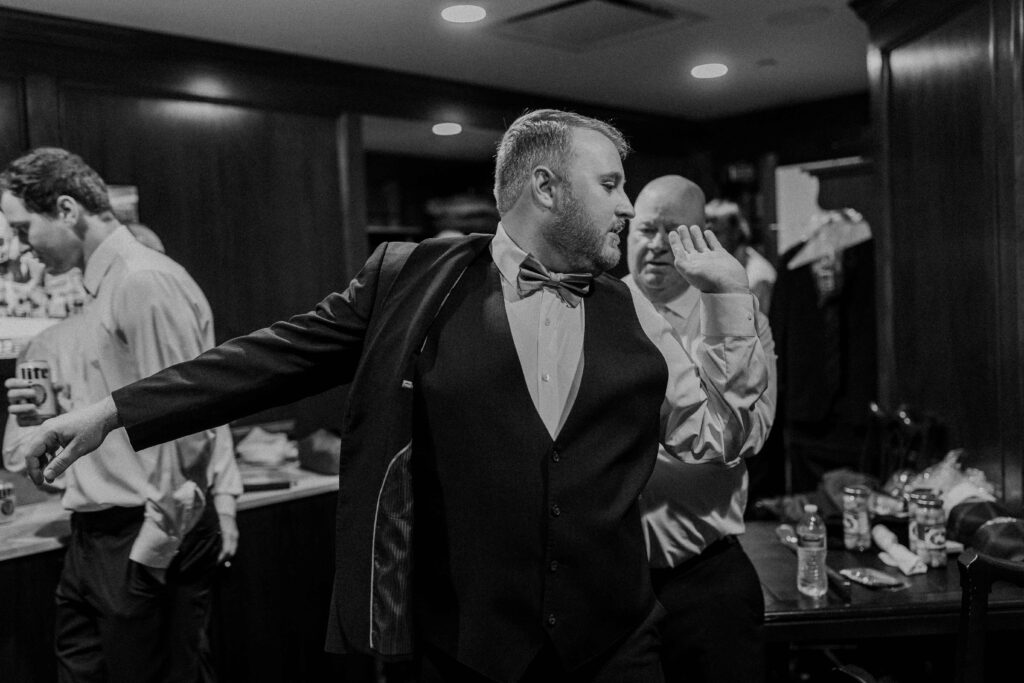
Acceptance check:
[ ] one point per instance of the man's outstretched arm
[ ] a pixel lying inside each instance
(273, 366)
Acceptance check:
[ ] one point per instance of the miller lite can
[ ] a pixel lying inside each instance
(37, 373)
(7, 501)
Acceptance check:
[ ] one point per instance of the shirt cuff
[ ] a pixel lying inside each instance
(153, 547)
(225, 504)
(727, 315)
(164, 528)
(228, 487)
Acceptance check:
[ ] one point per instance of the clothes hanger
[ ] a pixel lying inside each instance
(829, 233)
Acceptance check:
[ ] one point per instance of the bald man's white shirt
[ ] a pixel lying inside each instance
(687, 505)
(721, 379)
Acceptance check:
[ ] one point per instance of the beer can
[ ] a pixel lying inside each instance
(931, 531)
(912, 533)
(856, 527)
(7, 501)
(37, 373)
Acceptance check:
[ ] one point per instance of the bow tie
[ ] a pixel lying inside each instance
(568, 286)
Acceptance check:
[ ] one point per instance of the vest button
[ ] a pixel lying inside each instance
(555, 456)
(555, 510)
(552, 620)
(553, 566)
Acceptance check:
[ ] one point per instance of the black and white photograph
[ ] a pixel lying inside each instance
(511, 341)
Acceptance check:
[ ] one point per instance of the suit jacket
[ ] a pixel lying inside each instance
(375, 334)
(826, 352)
(368, 335)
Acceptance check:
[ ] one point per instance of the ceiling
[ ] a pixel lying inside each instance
(626, 54)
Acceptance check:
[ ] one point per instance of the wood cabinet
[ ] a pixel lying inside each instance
(949, 136)
(270, 607)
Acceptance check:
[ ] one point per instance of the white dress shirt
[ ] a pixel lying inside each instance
(146, 313)
(687, 506)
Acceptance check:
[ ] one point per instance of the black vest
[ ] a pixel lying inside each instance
(518, 537)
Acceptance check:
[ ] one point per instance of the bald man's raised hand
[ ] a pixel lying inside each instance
(61, 440)
(704, 262)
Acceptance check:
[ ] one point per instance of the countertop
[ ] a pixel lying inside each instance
(42, 526)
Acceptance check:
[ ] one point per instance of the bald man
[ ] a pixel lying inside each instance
(693, 510)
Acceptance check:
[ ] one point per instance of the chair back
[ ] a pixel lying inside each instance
(978, 571)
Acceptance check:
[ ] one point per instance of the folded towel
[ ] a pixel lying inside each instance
(260, 447)
(896, 554)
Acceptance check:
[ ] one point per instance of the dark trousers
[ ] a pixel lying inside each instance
(116, 622)
(633, 660)
(714, 630)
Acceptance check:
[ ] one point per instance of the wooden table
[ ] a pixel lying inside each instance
(930, 605)
(907, 635)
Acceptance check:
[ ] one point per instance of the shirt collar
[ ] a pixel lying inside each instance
(104, 257)
(507, 255)
(682, 306)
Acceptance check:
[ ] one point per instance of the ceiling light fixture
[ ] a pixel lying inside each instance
(463, 14)
(709, 71)
(446, 129)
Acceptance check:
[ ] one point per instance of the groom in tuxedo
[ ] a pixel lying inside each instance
(506, 405)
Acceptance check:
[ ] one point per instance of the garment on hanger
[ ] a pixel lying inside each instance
(823, 320)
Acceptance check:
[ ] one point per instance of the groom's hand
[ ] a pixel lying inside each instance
(61, 440)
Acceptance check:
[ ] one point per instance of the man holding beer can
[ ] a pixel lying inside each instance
(135, 590)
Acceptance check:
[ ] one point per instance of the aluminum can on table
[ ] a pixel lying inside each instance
(856, 526)
(931, 531)
(912, 497)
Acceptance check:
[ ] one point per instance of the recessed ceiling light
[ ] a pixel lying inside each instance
(446, 129)
(463, 14)
(709, 71)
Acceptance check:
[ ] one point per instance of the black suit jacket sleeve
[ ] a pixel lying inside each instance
(289, 360)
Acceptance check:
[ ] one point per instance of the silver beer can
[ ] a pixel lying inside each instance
(37, 373)
(7, 501)
(912, 532)
(856, 525)
(931, 531)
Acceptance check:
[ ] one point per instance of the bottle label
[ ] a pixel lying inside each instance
(811, 540)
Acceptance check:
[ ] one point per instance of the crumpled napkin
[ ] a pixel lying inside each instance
(964, 491)
(260, 447)
(895, 554)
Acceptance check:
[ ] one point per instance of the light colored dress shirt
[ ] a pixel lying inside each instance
(688, 506)
(711, 387)
(145, 314)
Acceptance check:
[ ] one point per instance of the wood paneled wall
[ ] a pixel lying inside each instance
(231, 190)
(13, 137)
(946, 92)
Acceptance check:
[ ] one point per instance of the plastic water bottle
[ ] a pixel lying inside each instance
(811, 578)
